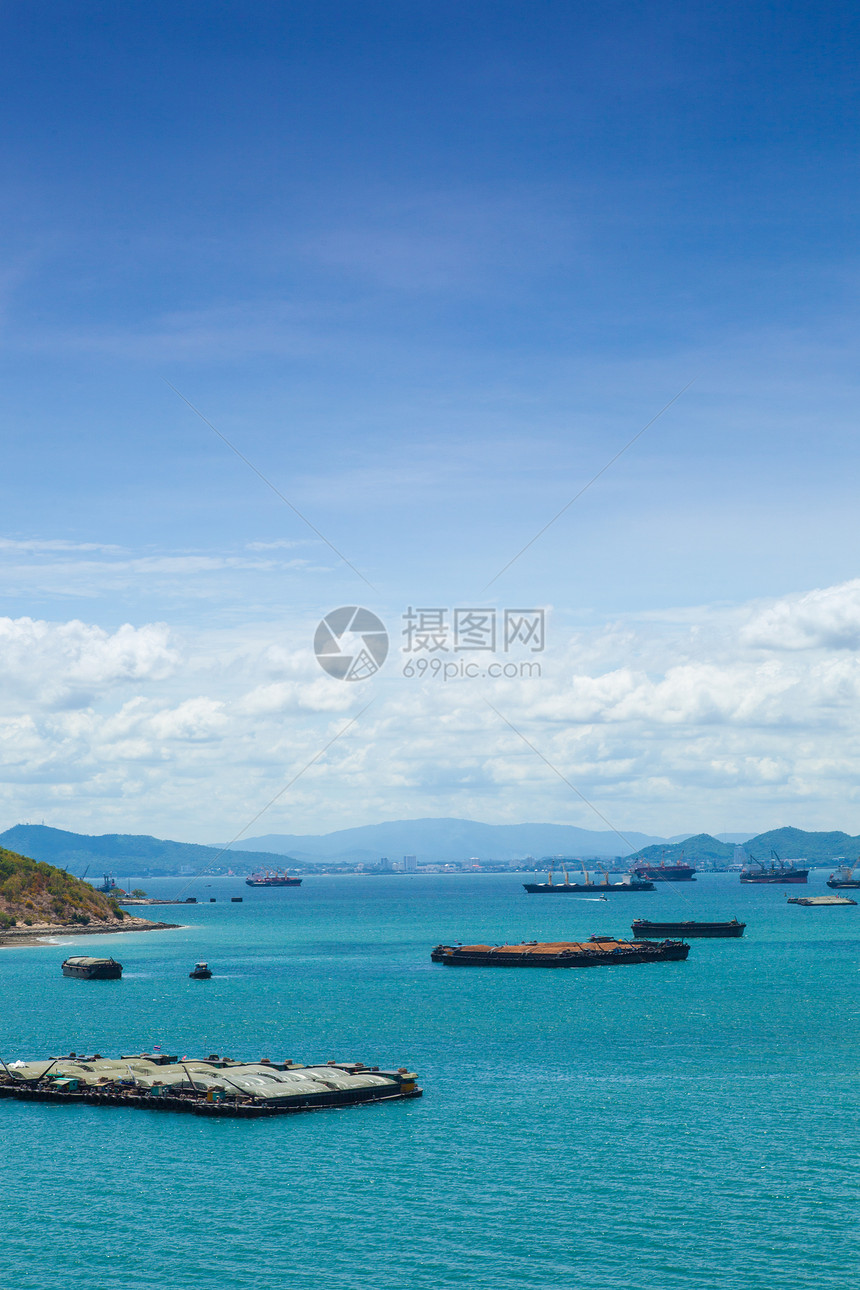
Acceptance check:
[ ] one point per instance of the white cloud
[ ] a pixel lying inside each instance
(827, 618)
(666, 725)
(52, 663)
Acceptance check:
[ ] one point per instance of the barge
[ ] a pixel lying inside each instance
(820, 900)
(214, 1086)
(598, 952)
(642, 927)
(90, 969)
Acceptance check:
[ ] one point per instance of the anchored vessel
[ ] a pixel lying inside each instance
(272, 878)
(820, 900)
(551, 888)
(844, 876)
(775, 871)
(598, 952)
(92, 969)
(216, 1086)
(642, 927)
(663, 872)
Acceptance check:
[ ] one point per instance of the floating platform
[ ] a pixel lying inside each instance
(214, 1086)
(597, 952)
(91, 969)
(820, 900)
(642, 927)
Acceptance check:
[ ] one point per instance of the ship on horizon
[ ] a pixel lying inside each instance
(774, 871)
(662, 872)
(588, 887)
(272, 878)
(845, 876)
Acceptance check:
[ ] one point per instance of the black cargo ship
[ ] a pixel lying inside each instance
(844, 876)
(598, 952)
(775, 871)
(663, 872)
(642, 927)
(588, 887)
(272, 878)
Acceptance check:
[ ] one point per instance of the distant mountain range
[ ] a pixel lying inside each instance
(121, 853)
(434, 840)
(431, 840)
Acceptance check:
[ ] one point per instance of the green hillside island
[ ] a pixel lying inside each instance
(33, 893)
(122, 854)
(789, 844)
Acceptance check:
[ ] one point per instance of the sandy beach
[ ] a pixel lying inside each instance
(39, 932)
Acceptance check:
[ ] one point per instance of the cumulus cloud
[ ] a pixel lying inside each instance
(827, 618)
(71, 663)
(740, 717)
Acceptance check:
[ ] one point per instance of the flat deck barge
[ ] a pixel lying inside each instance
(642, 927)
(821, 900)
(597, 952)
(214, 1086)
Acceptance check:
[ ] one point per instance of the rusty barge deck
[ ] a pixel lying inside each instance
(597, 952)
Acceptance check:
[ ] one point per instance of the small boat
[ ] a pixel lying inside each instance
(588, 887)
(642, 927)
(90, 969)
(202, 972)
(272, 878)
(845, 876)
(820, 900)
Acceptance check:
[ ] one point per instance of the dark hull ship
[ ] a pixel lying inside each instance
(665, 872)
(844, 876)
(598, 952)
(587, 888)
(272, 878)
(642, 927)
(775, 871)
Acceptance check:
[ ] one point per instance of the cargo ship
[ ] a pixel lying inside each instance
(775, 871)
(92, 969)
(844, 876)
(598, 952)
(272, 878)
(642, 927)
(214, 1086)
(588, 887)
(663, 872)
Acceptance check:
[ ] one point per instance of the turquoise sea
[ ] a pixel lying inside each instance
(668, 1125)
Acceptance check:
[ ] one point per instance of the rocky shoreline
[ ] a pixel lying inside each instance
(38, 933)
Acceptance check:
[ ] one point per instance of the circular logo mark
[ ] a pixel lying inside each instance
(351, 643)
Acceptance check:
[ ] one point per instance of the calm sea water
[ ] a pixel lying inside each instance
(667, 1125)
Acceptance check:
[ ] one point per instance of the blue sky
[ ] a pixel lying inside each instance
(429, 267)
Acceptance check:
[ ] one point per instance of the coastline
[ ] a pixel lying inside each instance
(38, 933)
